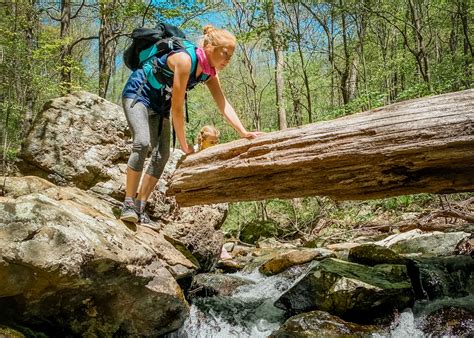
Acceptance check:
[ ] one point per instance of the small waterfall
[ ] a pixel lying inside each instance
(418, 323)
(248, 312)
(404, 326)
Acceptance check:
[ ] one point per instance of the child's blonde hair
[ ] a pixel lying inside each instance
(217, 37)
(207, 137)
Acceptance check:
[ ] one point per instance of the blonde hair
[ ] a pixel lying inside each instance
(217, 37)
(206, 132)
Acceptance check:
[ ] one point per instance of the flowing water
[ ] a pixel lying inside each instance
(249, 312)
(416, 322)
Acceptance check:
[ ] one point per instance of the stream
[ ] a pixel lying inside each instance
(249, 311)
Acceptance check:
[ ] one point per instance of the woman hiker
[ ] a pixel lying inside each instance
(148, 110)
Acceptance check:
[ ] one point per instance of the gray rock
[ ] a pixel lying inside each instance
(351, 291)
(196, 228)
(229, 246)
(284, 260)
(434, 243)
(214, 284)
(449, 321)
(322, 324)
(442, 277)
(67, 262)
(80, 139)
(372, 254)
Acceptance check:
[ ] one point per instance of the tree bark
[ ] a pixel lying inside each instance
(65, 54)
(279, 64)
(421, 145)
(345, 73)
(31, 37)
(107, 45)
(299, 37)
(416, 14)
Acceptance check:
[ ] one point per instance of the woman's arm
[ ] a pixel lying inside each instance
(180, 64)
(226, 109)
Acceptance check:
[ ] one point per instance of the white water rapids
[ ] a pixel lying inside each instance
(249, 312)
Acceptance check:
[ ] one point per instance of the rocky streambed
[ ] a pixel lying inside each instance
(378, 289)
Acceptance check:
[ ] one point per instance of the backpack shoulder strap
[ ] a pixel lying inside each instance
(147, 53)
(190, 48)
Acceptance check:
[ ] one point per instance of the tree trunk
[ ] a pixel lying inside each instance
(346, 71)
(303, 64)
(31, 33)
(107, 46)
(65, 54)
(252, 98)
(421, 55)
(464, 12)
(468, 50)
(324, 22)
(279, 64)
(422, 145)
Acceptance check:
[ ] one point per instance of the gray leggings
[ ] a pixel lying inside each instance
(144, 124)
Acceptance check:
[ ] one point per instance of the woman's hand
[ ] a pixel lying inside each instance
(251, 134)
(189, 149)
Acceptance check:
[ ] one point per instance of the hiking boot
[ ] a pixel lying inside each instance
(129, 212)
(144, 218)
(147, 222)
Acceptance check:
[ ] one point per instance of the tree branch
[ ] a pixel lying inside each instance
(80, 40)
(78, 10)
(146, 12)
(51, 16)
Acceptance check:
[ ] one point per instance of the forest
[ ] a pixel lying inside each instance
(296, 62)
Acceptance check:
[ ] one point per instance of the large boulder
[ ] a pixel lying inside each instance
(83, 140)
(434, 243)
(68, 265)
(372, 254)
(449, 321)
(216, 284)
(351, 291)
(79, 139)
(442, 277)
(322, 324)
(194, 228)
(285, 260)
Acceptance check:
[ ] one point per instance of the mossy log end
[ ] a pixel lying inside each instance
(421, 145)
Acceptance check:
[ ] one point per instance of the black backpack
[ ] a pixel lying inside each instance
(143, 38)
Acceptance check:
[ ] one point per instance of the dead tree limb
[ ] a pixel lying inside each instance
(421, 145)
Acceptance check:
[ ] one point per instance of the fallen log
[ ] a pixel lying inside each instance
(420, 145)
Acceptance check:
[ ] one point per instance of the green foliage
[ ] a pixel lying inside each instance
(414, 91)
(313, 217)
(404, 203)
(256, 230)
(11, 155)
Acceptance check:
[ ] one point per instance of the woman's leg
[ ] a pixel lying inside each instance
(159, 157)
(137, 118)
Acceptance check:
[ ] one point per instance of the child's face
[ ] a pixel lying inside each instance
(209, 141)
